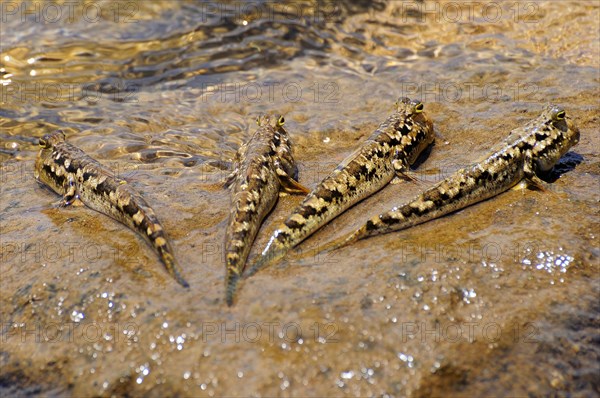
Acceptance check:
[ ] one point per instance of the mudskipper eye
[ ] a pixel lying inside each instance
(419, 107)
(280, 121)
(557, 113)
(45, 141)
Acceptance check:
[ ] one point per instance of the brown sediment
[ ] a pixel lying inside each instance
(85, 311)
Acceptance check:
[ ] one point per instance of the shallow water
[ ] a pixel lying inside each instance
(498, 299)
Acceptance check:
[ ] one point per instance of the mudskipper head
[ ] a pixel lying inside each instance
(283, 149)
(422, 127)
(555, 134)
(44, 161)
(47, 144)
(49, 140)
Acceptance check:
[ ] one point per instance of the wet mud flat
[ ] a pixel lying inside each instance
(497, 299)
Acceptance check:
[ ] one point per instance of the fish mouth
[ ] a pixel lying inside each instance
(423, 121)
(575, 135)
(430, 126)
(39, 162)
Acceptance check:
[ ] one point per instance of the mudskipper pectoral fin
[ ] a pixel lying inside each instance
(71, 197)
(533, 183)
(520, 186)
(69, 201)
(230, 179)
(77, 202)
(405, 176)
(402, 170)
(290, 185)
(536, 184)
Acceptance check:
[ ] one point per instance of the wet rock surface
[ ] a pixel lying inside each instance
(500, 298)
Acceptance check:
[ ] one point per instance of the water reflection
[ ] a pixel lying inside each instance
(165, 92)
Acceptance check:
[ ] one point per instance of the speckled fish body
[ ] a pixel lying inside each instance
(533, 148)
(388, 152)
(264, 166)
(71, 173)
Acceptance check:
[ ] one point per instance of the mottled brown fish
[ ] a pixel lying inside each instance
(70, 172)
(528, 150)
(264, 166)
(388, 152)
